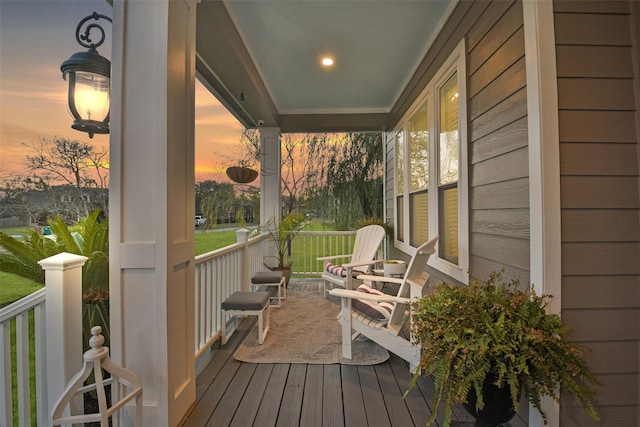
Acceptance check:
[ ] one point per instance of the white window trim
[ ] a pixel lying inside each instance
(455, 62)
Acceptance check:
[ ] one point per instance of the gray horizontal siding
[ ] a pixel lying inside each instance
(600, 200)
(498, 155)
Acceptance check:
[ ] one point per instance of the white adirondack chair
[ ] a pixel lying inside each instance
(360, 308)
(365, 249)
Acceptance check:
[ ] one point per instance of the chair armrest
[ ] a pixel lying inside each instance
(363, 277)
(344, 293)
(361, 263)
(328, 258)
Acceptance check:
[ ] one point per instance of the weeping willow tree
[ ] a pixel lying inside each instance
(353, 177)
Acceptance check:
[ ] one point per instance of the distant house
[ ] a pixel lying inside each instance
(65, 200)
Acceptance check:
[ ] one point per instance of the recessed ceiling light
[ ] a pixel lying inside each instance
(327, 62)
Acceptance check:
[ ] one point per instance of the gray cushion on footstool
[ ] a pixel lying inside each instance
(266, 277)
(246, 301)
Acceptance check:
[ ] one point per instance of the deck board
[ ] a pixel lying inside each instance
(332, 403)
(373, 399)
(312, 400)
(291, 405)
(230, 401)
(415, 401)
(395, 405)
(272, 397)
(233, 393)
(250, 403)
(354, 410)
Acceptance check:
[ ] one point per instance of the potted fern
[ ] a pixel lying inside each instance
(494, 338)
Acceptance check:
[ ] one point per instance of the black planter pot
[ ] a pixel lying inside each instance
(498, 407)
(286, 273)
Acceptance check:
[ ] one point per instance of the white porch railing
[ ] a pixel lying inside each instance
(217, 275)
(220, 273)
(15, 322)
(54, 314)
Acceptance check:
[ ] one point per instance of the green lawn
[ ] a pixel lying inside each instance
(211, 240)
(13, 287)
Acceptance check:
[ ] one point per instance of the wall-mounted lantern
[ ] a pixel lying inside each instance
(89, 76)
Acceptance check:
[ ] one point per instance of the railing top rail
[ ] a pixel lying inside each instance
(328, 233)
(219, 252)
(23, 304)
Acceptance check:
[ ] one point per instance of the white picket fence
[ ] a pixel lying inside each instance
(217, 275)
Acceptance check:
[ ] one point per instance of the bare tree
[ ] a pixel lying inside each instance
(303, 160)
(69, 162)
(61, 163)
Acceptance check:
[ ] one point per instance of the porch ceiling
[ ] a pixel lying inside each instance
(262, 58)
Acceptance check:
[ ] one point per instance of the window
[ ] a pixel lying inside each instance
(399, 179)
(419, 175)
(431, 172)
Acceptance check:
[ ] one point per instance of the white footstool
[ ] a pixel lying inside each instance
(246, 304)
(271, 278)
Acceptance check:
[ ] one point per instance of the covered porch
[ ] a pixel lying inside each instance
(528, 146)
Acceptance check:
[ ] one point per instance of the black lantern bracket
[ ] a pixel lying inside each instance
(89, 75)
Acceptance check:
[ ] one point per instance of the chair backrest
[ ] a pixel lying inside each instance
(367, 242)
(415, 276)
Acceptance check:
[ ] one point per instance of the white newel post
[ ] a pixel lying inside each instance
(242, 236)
(63, 279)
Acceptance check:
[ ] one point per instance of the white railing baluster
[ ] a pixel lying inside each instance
(22, 367)
(6, 400)
(39, 321)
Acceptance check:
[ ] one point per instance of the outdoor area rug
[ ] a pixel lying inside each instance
(305, 330)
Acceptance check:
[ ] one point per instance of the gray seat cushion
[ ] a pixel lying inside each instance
(266, 277)
(246, 301)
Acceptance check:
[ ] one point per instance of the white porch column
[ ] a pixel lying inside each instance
(63, 279)
(270, 155)
(544, 166)
(152, 201)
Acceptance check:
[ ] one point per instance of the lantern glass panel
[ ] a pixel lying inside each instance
(92, 96)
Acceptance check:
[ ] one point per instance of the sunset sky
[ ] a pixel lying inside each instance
(36, 36)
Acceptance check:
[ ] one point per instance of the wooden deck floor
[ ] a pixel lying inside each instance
(233, 393)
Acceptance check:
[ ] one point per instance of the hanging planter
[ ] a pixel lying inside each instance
(241, 174)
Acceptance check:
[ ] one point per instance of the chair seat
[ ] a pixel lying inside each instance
(381, 311)
(371, 322)
(340, 271)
